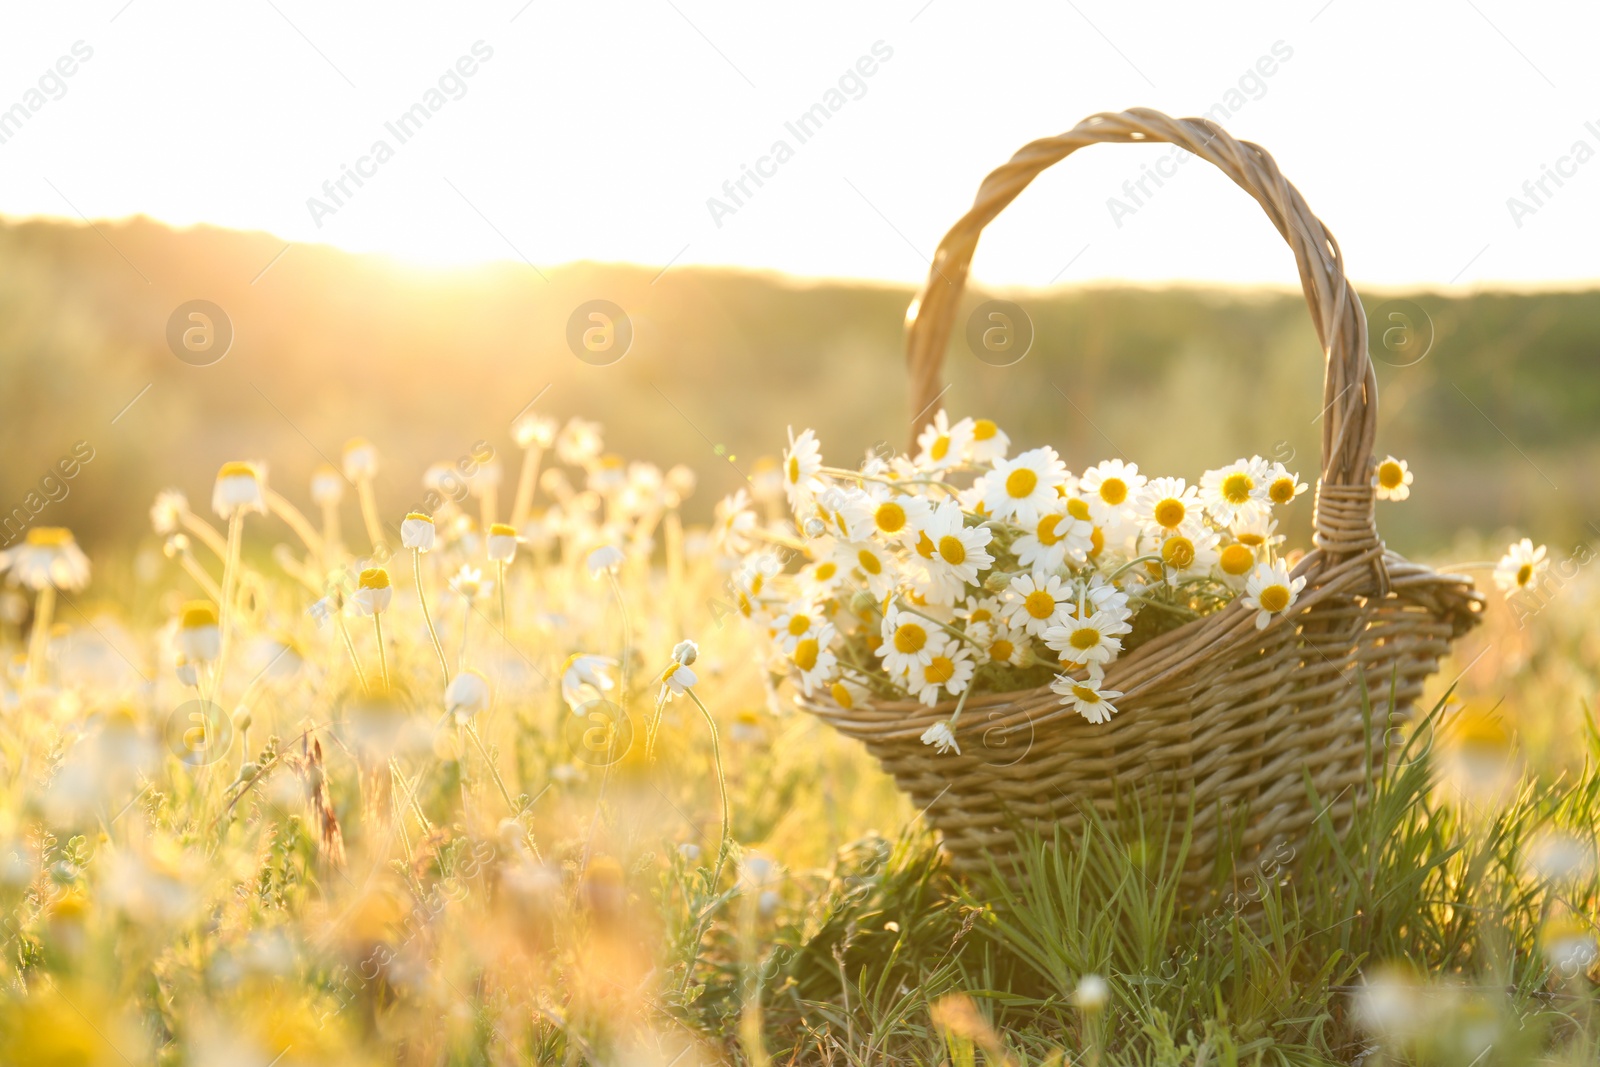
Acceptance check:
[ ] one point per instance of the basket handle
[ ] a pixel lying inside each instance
(1344, 522)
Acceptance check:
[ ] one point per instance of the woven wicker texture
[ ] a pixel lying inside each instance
(1217, 713)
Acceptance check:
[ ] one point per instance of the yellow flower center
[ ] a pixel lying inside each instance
(841, 696)
(1170, 513)
(1254, 540)
(1236, 487)
(925, 546)
(1177, 552)
(1390, 474)
(420, 516)
(1085, 694)
(1046, 531)
(890, 517)
(374, 578)
(799, 624)
(1524, 574)
(794, 469)
(1084, 638)
(1021, 483)
(236, 470)
(1274, 598)
(941, 447)
(198, 613)
(1281, 491)
(1002, 650)
(984, 430)
(50, 536)
(500, 529)
(953, 551)
(1078, 509)
(909, 638)
(1039, 604)
(826, 570)
(869, 562)
(980, 615)
(805, 654)
(1097, 541)
(1113, 491)
(940, 670)
(1237, 560)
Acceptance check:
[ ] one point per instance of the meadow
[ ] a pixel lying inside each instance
(263, 805)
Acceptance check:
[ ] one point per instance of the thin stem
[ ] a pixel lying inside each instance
(330, 535)
(355, 660)
(500, 566)
(280, 506)
(422, 598)
(1132, 563)
(466, 623)
(230, 578)
(526, 480)
(383, 657)
(202, 579)
(722, 785)
(369, 512)
(44, 609)
(494, 772)
(205, 531)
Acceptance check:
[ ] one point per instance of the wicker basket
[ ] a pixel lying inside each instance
(1217, 712)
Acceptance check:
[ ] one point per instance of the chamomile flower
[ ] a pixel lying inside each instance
(873, 562)
(1260, 531)
(1520, 567)
(988, 442)
(373, 593)
(802, 461)
(1270, 591)
(960, 553)
(1086, 697)
(846, 512)
(466, 695)
(848, 695)
(1236, 561)
(1087, 637)
(948, 670)
(327, 486)
(734, 523)
(821, 580)
(1056, 538)
(586, 672)
(503, 543)
(1392, 479)
(199, 635)
(814, 662)
(416, 531)
(1237, 492)
(795, 623)
(1034, 604)
(579, 442)
(1002, 644)
(360, 459)
(939, 736)
(605, 559)
(1187, 551)
(1025, 487)
(238, 490)
(1110, 487)
(533, 431)
(942, 445)
(1165, 504)
(897, 517)
(677, 678)
(48, 557)
(1283, 486)
(980, 614)
(908, 642)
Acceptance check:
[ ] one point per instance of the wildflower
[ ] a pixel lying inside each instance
(1087, 637)
(1023, 487)
(676, 679)
(327, 487)
(1235, 561)
(1282, 486)
(689, 851)
(604, 560)
(988, 442)
(1237, 492)
(199, 636)
(583, 670)
(905, 642)
(168, 511)
(896, 517)
(1270, 591)
(1188, 551)
(949, 668)
(530, 430)
(941, 738)
(1093, 993)
(1034, 605)
(579, 442)
(1569, 943)
(1520, 567)
(1165, 504)
(1110, 487)
(187, 673)
(960, 552)
(942, 445)
(416, 531)
(797, 621)
(466, 695)
(372, 593)
(814, 661)
(1086, 697)
(686, 652)
(238, 490)
(847, 694)
(747, 727)
(469, 582)
(1392, 480)
(876, 566)
(802, 461)
(734, 523)
(48, 557)
(503, 544)
(1056, 538)
(360, 459)
(1005, 645)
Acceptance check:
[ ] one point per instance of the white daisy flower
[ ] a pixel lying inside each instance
(979, 614)
(1270, 591)
(584, 670)
(603, 559)
(466, 695)
(847, 512)
(373, 593)
(686, 652)
(416, 531)
(733, 523)
(874, 563)
(199, 636)
(675, 679)
(1164, 504)
(814, 661)
(896, 517)
(1110, 487)
(988, 442)
(821, 580)
(848, 695)
(949, 669)
(1088, 638)
(959, 552)
(1188, 551)
(1056, 538)
(1520, 567)
(1392, 479)
(1282, 486)
(503, 544)
(1259, 531)
(579, 442)
(48, 556)
(1025, 487)
(795, 622)
(1002, 644)
(908, 642)
(1034, 604)
(1236, 561)
(533, 431)
(238, 490)
(1237, 492)
(801, 462)
(939, 736)
(942, 445)
(1086, 697)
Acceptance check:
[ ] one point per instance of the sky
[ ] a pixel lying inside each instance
(1447, 144)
